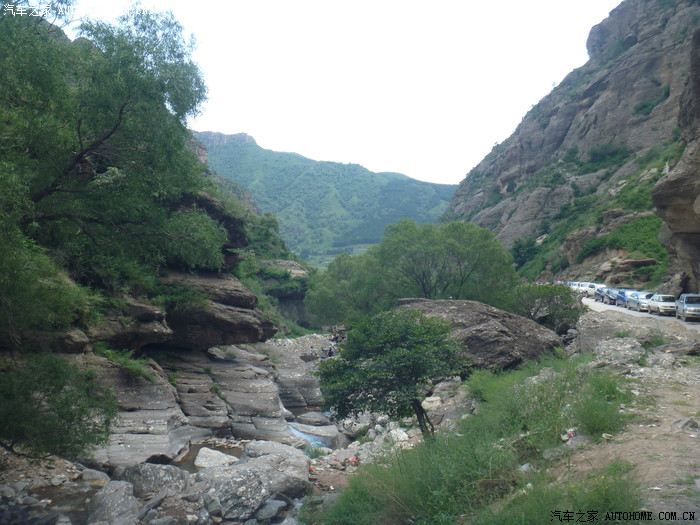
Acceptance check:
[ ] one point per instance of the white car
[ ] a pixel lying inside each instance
(662, 304)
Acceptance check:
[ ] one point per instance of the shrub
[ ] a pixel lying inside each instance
(51, 407)
(458, 475)
(555, 307)
(125, 359)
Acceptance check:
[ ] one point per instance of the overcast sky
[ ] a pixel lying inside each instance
(415, 87)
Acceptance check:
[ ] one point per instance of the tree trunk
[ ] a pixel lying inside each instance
(426, 426)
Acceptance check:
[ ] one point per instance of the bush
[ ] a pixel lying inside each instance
(555, 307)
(51, 407)
(125, 359)
(455, 477)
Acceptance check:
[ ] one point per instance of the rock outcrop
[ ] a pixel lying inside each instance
(587, 142)
(493, 338)
(677, 194)
(229, 316)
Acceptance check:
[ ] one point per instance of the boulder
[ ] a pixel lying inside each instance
(149, 479)
(113, 504)
(235, 492)
(491, 337)
(207, 457)
(285, 469)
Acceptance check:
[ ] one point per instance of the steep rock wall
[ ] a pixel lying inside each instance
(677, 194)
(639, 56)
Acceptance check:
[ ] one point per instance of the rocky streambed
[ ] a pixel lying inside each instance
(226, 434)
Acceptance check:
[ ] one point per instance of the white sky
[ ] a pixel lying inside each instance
(416, 87)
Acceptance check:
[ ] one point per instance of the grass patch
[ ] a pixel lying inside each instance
(125, 359)
(456, 477)
(656, 338)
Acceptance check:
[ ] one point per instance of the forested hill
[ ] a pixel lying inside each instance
(324, 208)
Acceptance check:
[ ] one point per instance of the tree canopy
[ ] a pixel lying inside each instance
(386, 363)
(95, 171)
(454, 260)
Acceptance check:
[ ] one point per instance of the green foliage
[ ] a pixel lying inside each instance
(456, 477)
(555, 307)
(125, 359)
(453, 260)
(93, 135)
(640, 235)
(325, 205)
(597, 410)
(385, 363)
(51, 407)
(523, 250)
(604, 156)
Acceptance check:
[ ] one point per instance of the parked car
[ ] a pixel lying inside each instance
(639, 301)
(688, 305)
(600, 294)
(610, 295)
(582, 287)
(622, 295)
(662, 304)
(591, 289)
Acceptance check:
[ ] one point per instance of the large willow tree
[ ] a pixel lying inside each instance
(96, 177)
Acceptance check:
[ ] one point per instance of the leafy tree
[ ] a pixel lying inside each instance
(386, 364)
(523, 250)
(351, 287)
(556, 307)
(94, 132)
(51, 407)
(454, 260)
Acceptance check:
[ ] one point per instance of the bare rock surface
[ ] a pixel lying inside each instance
(493, 338)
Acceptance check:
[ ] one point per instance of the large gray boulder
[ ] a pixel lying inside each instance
(491, 337)
(285, 469)
(234, 492)
(113, 504)
(149, 479)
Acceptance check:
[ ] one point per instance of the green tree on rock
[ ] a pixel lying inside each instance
(386, 364)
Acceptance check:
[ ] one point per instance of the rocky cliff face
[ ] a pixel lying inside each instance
(677, 194)
(588, 137)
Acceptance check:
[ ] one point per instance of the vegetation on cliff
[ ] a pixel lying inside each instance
(100, 191)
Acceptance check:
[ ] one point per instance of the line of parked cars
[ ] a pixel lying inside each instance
(687, 306)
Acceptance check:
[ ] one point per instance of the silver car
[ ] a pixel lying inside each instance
(639, 301)
(688, 305)
(662, 304)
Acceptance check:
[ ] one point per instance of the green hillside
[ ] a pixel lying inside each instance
(324, 208)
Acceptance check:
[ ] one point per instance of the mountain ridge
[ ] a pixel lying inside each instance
(324, 207)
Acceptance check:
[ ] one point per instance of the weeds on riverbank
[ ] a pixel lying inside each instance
(490, 461)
